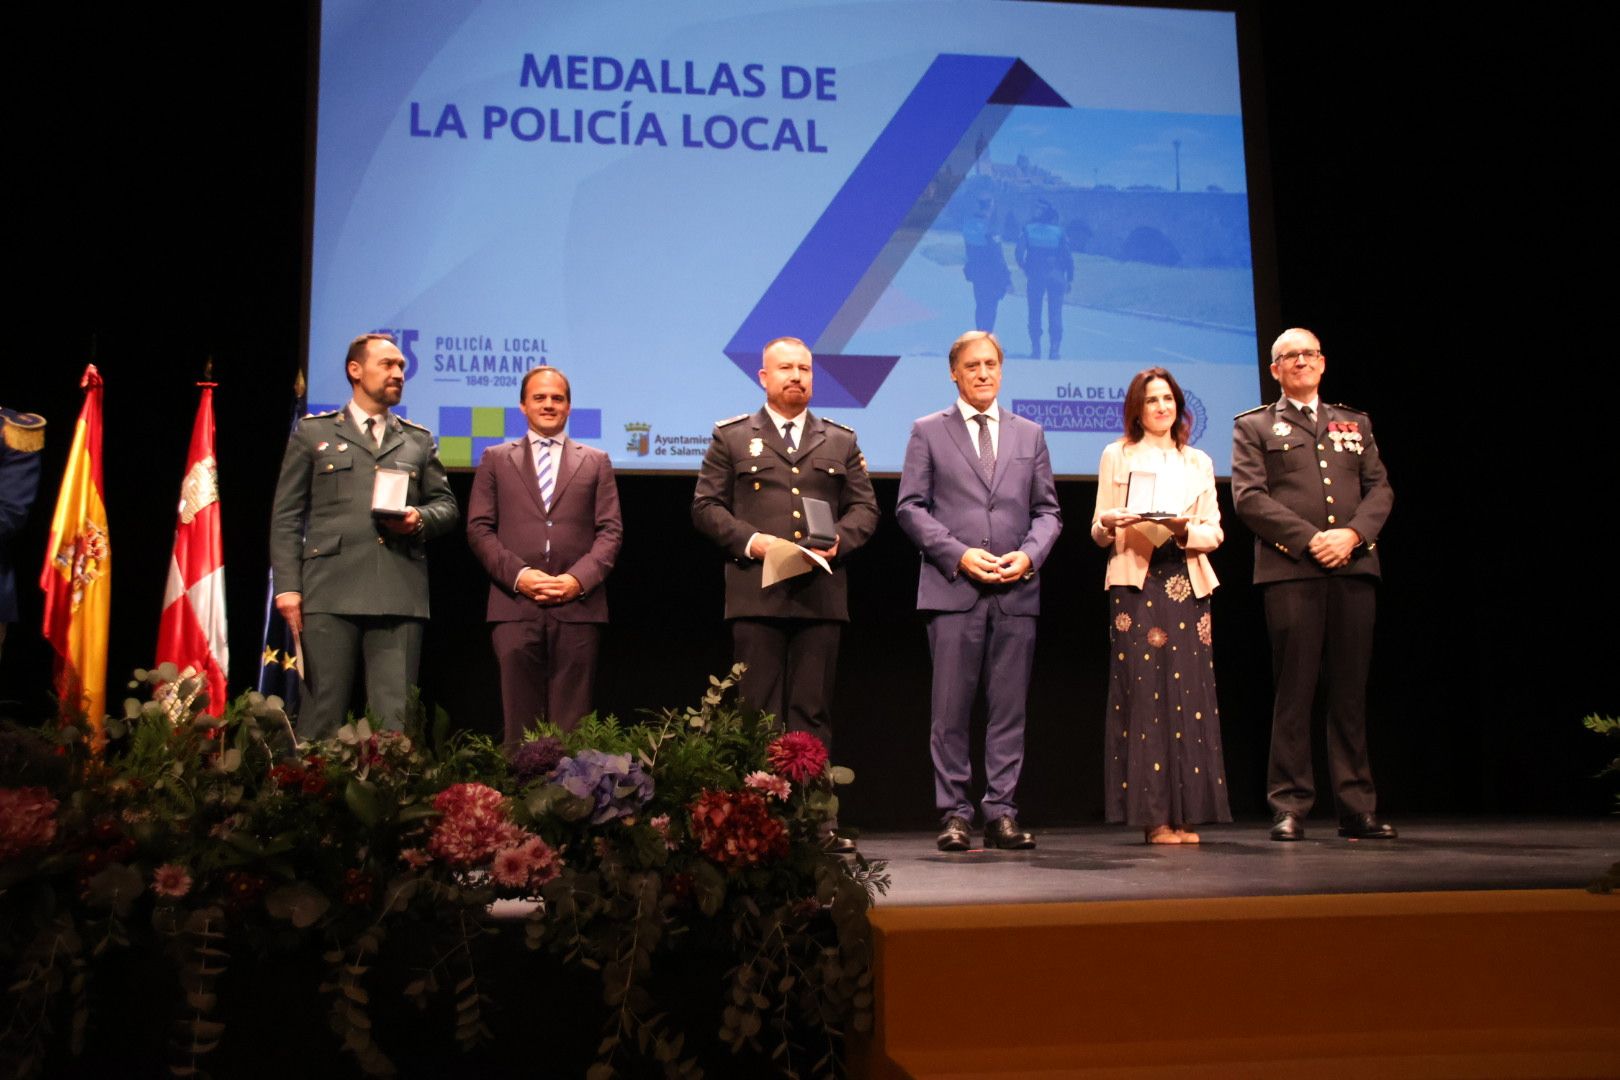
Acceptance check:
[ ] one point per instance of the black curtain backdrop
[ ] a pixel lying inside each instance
(159, 204)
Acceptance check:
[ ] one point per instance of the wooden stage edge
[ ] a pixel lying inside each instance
(1517, 983)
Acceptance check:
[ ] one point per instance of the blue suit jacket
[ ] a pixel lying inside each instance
(946, 507)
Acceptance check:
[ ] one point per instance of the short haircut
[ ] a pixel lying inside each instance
(357, 350)
(543, 369)
(969, 338)
(774, 342)
(1136, 398)
(1276, 346)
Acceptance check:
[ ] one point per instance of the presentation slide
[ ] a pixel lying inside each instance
(644, 194)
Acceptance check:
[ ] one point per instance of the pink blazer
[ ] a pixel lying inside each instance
(1128, 563)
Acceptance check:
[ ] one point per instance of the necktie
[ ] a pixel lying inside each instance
(543, 467)
(787, 436)
(1310, 416)
(371, 422)
(987, 449)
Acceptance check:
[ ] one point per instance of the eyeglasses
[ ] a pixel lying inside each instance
(1311, 355)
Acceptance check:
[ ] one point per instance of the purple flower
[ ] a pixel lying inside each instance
(536, 758)
(613, 783)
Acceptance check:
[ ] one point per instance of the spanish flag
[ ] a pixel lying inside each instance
(77, 577)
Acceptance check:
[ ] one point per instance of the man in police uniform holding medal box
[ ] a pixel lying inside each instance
(350, 580)
(1307, 480)
(759, 469)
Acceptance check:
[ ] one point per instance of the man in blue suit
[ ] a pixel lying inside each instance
(978, 499)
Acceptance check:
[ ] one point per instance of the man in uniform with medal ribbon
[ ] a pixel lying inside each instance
(1307, 480)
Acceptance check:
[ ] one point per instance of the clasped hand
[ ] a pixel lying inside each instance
(543, 588)
(1333, 547)
(980, 565)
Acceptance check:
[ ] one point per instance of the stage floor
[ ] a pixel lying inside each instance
(1112, 863)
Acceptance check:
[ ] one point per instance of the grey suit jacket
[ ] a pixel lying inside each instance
(509, 528)
(1288, 486)
(946, 507)
(324, 542)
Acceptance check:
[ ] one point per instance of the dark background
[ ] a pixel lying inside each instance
(159, 183)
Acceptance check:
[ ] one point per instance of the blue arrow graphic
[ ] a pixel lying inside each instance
(863, 237)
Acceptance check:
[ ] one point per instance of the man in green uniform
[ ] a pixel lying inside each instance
(351, 582)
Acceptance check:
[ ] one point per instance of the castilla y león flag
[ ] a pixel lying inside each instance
(192, 630)
(77, 577)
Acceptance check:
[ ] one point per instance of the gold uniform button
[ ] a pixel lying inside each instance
(831, 471)
(754, 468)
(756, 485)
(1324, 463)
(795, 491)
(1330, 500)
(1285, 446)
(1332, 520)
(380, 540)
(795, 470)
(797, 535)
(328, 466)
(797, 515)
(1327, 480)
(1319, 446)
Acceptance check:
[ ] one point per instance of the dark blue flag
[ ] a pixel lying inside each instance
(279, 672)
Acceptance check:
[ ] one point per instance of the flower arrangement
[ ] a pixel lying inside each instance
(207, 841)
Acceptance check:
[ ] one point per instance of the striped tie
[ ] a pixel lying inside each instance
(543, 467)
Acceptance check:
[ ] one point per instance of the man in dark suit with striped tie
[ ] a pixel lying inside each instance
(544, 520)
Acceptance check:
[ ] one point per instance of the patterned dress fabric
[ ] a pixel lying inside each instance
(1162, 734)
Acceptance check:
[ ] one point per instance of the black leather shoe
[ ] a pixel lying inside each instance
(954, 837)
(834, 844)
(1365, 827)
(1005, 833)
(1288, 827)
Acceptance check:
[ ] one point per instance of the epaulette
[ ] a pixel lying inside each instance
(321, 415)
(1347, 408)
(728, 421)
(836, 424)
(414, 424)
(1246, 412)
(25, 432)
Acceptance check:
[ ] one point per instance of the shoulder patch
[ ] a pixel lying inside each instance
(1248, 412)
(836, 424)
(25, 432)
(728, 421)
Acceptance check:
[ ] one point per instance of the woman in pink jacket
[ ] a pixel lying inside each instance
(1156, 510)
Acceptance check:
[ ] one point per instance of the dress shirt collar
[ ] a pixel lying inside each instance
(969, 412)
(360, 416)
(777, 420)
(1315, 404)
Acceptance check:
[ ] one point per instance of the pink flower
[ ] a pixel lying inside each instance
(509, 868)
(474, 826)
(766, 784)
(415, 858)
(27, 820)
(529, 864)
(171, 880)
(660, 825)
(798, 755)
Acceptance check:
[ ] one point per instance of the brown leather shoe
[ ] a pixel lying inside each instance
(1365, 827)
(1004, 833)
(1288, 827)
(955, 835)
